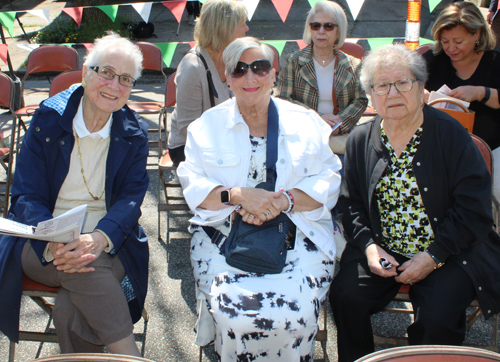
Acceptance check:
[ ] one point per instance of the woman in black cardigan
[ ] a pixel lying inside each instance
(416, 193)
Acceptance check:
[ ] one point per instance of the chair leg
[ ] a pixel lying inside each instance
(201, 354)
(12, 351)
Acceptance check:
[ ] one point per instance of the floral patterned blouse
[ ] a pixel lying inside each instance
(406, 229)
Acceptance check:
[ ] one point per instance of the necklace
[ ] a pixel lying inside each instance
(323, 61)
(83, 171)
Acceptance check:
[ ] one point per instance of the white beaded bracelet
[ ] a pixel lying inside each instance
(290, 203)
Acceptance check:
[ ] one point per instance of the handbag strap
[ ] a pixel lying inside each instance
(211, 86)
(272, 142)
(334, 100)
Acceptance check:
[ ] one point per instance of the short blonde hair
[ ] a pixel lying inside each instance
(218, 22)
(233, 52)
(335, 12)
(111, 42)
(470, 17)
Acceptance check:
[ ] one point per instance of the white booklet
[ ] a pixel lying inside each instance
(442, 93)
(62, 229)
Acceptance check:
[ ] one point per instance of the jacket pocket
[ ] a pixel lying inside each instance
(221, 159)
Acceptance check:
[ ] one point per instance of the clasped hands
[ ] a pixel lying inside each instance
(75, 256)
(259, 205)
(410, 272)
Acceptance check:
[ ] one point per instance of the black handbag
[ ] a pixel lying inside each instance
(261, 249)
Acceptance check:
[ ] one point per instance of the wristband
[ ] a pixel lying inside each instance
(291, 202)
(486, 95)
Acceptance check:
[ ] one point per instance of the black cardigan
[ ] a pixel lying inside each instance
(455, 185)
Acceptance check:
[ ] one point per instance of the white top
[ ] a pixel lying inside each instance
(324, 77)
(218, 153)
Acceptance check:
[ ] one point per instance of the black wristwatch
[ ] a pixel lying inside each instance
(225, 197)
(438, 263)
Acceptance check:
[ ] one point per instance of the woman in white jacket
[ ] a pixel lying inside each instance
(261, 316)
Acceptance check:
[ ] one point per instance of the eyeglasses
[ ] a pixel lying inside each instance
(327, 26)
(106, 73)
(260, 68)
(402, 85)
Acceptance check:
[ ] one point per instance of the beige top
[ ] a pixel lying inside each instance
(94, 149)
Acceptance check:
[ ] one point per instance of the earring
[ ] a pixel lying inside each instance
(477, 42)
(84, 83)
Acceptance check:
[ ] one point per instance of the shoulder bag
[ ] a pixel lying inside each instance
(211, 86)
(261, 249)
(337, 143)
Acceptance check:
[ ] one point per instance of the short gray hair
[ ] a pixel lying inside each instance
(111, 42)
(392, 57)
(233, 52)
(335, 12)
(219, 20)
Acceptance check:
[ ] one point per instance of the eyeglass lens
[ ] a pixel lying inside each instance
(260, 68)
(327, 26)
(402, 85)
(109, 74)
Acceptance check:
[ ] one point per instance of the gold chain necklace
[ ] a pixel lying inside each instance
(83, 171)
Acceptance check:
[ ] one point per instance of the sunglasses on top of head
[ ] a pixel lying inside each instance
(260, 68)
(327, 26)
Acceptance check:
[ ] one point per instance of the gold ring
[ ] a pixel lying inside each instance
(411, 283)
(251, 216)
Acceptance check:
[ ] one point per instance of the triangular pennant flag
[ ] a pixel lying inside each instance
(28, 47)
(7, 20)
(75, 13)
(203, 1)
(176, 7)
(313, 2)
(352, 40)
(109, 10)
(301, 44)
(278, 44)
(88, 46)
(379, 42)
(144, 10)
(67, 44)
(4, 48)
(168, 50)
(355, 6)
(192, 43)
(283, 7)
(44, 14)
(433, 4)
(251, 5)
(422, 41)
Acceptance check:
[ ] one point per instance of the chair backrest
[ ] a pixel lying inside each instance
(421, 49)
(6, 90)
(485, 151)
(65, 80)
(276, 60)
(170, 91)
(353, 49)
(48, 58)
(430, 353)
(152, 56)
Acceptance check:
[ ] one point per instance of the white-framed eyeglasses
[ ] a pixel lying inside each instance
(109, 74)
(402, 85)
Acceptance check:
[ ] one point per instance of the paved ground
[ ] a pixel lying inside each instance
(169, 336)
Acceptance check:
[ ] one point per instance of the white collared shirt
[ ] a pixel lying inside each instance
(81, 128)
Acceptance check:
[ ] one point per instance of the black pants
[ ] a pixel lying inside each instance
(177, 154)
(439, 302)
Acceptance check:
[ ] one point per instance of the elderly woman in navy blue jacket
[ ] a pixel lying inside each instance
(84, 146)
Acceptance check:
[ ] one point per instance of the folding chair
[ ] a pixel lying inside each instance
(473, 316)
(38, 293)
(65, 80)
(6, 158)
(170, 189)
(276, 60)
(431, 354)
(46, 58)
(94, 357)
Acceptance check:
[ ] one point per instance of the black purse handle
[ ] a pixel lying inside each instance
(272, 142)
(211, 87)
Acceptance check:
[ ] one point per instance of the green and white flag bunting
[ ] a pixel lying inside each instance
(109, 10)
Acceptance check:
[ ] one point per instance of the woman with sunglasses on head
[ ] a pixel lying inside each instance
(200, 80)
(322, 77)
(84, 146)
(258, 316)
(416, 209)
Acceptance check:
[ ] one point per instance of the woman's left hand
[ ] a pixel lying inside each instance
(75, 256)
(416, 269)
(468, 93)
(258, 205)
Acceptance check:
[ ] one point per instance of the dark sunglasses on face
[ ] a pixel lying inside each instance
(327, 26)
(260, 68)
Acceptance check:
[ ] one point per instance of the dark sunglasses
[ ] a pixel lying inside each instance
(260, 68)
(327, 26)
